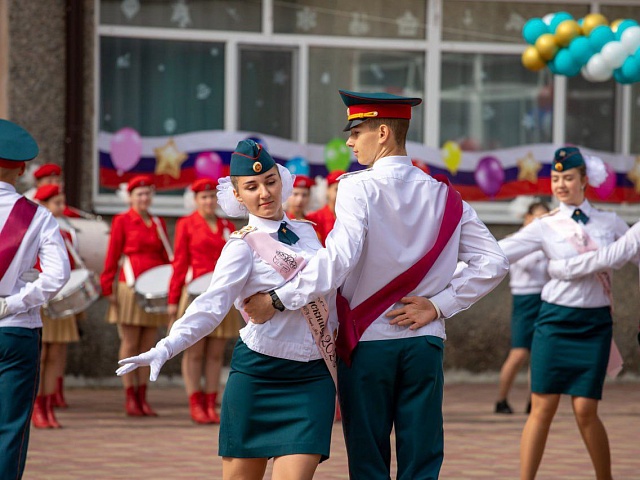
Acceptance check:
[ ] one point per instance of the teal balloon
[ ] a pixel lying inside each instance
(298, 166)
(565, 64)
(600, 36)
(557, 19)
(630, 69)
(533, 29)
(581, 50)
(337, 155)
(623, 25)
(620, 77)
(552, 65)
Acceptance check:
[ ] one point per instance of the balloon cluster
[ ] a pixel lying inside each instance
(590, 46)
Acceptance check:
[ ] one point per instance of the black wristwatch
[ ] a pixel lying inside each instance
(275, 301)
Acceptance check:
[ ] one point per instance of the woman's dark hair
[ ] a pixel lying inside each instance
(535, 205)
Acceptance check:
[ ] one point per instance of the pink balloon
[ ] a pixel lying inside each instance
(126, 149)
(609, 185)
(489, 175)
(208, 165)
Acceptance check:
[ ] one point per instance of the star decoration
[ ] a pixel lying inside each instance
(169, 159)
(408, 24)
(634, 174)
(528, 168)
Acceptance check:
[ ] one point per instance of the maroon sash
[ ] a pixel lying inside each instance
(14, 230)
(353, 323)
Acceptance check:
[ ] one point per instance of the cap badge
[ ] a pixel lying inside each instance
(558, 166)
(257, 167)
(562, 153)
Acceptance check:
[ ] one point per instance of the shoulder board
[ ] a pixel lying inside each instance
(303, 220)
(351, 174)
(551, 213)
(243, 231)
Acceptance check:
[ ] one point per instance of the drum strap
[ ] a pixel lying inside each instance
(129, 277)
(14, 231)
(163, 237)
(74, 253)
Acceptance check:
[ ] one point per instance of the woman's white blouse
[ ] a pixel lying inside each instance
(239, 274)
(542, 235)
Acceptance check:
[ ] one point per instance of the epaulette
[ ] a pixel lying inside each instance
(351, 174)
(551, 213)
(243, 231)
(303, 220)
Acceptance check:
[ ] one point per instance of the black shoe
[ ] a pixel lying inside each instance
(503, 407)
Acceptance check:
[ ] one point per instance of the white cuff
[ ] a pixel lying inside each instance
(4, 309)
(435, 305)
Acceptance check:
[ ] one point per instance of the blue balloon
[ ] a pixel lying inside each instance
(600, 36)
(552, 65)
(630, 69)
(581, 50)
(623, 25)
(533, 29)
(565, 64)
(557, 19)
(620, 77)
(298, 166)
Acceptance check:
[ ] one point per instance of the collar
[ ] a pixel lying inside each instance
(393, 160)
(7, 186)
(266, 225)
(568, 210)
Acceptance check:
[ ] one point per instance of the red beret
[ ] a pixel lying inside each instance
(48, 191)
(139, 181)
(302, 181)
(204, 184)
(333, 176)
(47, 170)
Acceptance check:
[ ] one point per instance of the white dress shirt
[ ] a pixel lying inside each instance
(603, 228)
(387, 218)
(625, 249)
(42, 240)
(239, 274)
(528, 275)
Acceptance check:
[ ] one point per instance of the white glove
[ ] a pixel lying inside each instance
(154, 358)
(4, 310)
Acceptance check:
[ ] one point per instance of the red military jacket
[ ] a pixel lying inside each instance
(196, 247)
(324, 220)
(130, 236)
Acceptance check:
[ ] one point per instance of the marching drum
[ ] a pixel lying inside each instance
(93, 240)
(152, 289)
(198, 286)
(76, 296)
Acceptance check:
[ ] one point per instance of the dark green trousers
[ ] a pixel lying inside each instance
(19, 375)
(393, 384)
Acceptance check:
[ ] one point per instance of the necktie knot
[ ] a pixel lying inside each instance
(286, 236)
(579, 216)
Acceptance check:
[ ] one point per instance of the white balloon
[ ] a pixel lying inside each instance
(585, 74)
(630, 39)
(547, 18)
(598, 69)
(614, 54)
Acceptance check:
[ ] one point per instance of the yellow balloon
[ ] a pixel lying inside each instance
(567, 31)
(547, 46)
(615, 23)
(532, 60)
(592, 21)
(451, 156)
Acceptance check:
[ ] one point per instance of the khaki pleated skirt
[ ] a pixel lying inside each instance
(128, 312)
(60, 330)
(229, 327)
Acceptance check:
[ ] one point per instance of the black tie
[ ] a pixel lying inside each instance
(286, 236)
(580, 216)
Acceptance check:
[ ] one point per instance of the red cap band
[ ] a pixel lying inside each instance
(366, 111)
(10, 164)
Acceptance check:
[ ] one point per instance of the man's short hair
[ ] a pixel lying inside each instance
(399, 127)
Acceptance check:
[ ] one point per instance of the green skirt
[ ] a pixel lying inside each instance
(570, 350)
(523, 318)
(273, 407)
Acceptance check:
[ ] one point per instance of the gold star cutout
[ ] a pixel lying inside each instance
(528, 168)
(169, 159)
(634, 174)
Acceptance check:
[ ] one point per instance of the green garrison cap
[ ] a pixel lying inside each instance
(16, 144)
(250, 158)
(566, 158)
(363, 106)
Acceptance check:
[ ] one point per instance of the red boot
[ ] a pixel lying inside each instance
(197, 408)
(338, 415)
(211, 407)
(51, 416)
(58, 400)
(39, 415)
(142, 399)
(131, 405)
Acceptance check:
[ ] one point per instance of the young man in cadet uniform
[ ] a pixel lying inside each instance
(27, 232)
(391, 344)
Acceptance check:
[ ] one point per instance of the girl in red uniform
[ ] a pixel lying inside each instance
(56, 334)
(199, 240)
(325, 218)
(139, 240)
(298, 202)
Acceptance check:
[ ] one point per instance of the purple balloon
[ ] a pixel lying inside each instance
(126, 149)
(489, 175)
(607, 187)
(208, 165)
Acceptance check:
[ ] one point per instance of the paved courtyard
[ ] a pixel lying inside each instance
(99, 442)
